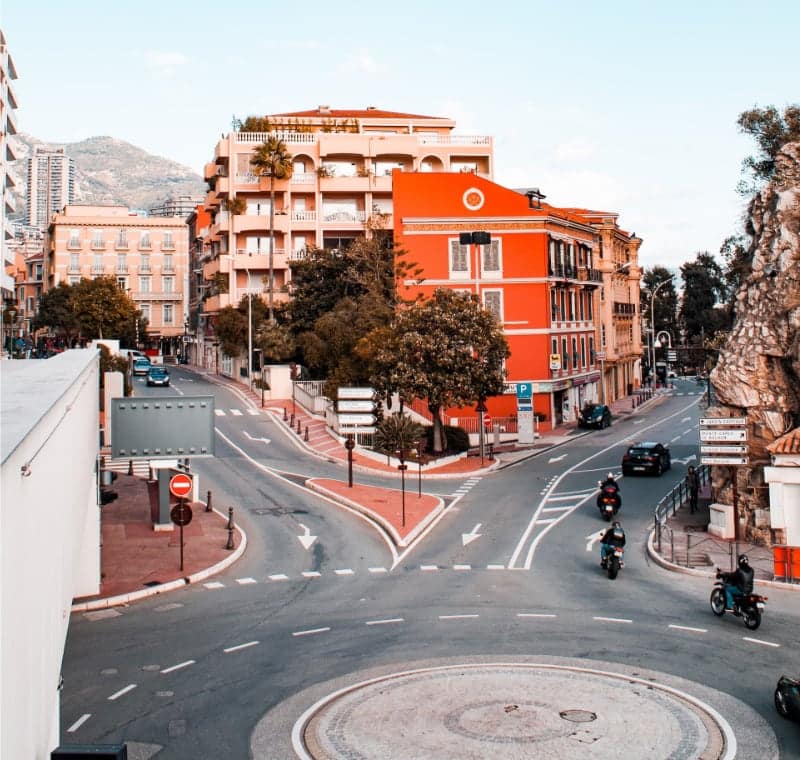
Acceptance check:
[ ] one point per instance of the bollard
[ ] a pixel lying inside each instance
(291, 421)
(208, 502)
(230, 545)
(150, 473)
(299, 428)
(305, 436)
(230, 518)
(130, 467)
(633, 403)
(285, 417)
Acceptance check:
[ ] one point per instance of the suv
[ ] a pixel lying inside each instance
(594, 415)
(646, 456)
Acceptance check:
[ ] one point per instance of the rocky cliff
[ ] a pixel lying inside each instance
(758, 373)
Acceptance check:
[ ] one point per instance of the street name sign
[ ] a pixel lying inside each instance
(356, 405)
(362, 420)
(726, 421)
(724, 460)
(736, 434)
(351, 393)
(729, 450)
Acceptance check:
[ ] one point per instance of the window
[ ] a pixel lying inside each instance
(122, 283)
(168, 266)
(554, 308)
(74, 262)
(493, 302)
(490, 257)
(168, 284)
(574, 352)
(583, 351)
(589, 302)
(97, 263)
(145, 309)
(122, 238)
(73, 280)
(144, 265)
(572, 305)
(259, 208)
(563, 308)
(167, 312)
(144, 241)
(97, 239)
(74, 239)
(582, 305)
(564, 354)
(592, 354)
(603, 335)
(168, 243)
(459, 261)
(554, 346)
(122, 262)
(145, 284)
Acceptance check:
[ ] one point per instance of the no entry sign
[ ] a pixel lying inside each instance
(180, 485)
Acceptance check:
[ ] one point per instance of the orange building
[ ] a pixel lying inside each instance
(541, 274)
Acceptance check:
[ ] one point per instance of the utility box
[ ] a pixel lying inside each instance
(721, 521)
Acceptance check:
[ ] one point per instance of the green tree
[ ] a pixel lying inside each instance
(102, 309)
(397, 432)
(771, 131)
(272, 159)
(231, 327)
(56, 312)
(703, 310)
(275, 341)
(446, 350)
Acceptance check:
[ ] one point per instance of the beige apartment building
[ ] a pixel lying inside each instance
(148, 256)
(340, 189)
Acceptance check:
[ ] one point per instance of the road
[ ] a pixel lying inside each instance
(504, 573)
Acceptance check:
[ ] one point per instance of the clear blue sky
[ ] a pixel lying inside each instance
(623, 106)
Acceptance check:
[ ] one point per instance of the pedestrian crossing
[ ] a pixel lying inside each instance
(237, 412)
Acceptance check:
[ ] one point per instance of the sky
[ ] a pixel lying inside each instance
(619, 106)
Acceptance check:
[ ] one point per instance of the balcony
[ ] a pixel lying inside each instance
(624, 309)
(346, 218)
(122, 269)
(246, 179)
(168, 269)
(259, 260)
(215, 303)
(156, 295)
(592, 277)
(98, 245)
(97, 269)
(304, 178)
(74, 268)
(74, 244)
(221, 264)
(121, 245)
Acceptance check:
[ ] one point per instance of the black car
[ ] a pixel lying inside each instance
(787, 698)
(594, 416)
(646, 457)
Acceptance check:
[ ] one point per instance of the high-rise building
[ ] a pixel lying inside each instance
(181, 206)
(51, 184)
(8, 104)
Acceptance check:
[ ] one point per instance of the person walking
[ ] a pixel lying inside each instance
(693, 486)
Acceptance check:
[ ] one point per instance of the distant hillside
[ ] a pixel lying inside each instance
(111, 171)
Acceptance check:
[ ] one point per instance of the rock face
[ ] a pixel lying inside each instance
(758, 373)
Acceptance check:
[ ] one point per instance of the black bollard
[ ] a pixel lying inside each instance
(299, 427)
(285, 417)
(150, 473)
(291, 421)
(208, 502)
(305, 437)
(230, 518)
(230, 545)
(130, 467)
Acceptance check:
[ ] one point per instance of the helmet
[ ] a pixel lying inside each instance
(743, 561)
(610, 476)
(616, 524)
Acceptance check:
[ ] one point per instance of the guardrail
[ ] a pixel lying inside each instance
(674, 500)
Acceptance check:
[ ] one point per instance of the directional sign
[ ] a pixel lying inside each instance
(180, 485)
(730, 450)
(357, 419)
(356, 405)
(736, 434)
(601, 356)
(724, 460)
(356, 393)
(727, 421)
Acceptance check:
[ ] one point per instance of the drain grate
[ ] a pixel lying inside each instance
(578, 716)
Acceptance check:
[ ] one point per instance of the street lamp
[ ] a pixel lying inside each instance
(481, 409)
(249, 331)
(653, 323)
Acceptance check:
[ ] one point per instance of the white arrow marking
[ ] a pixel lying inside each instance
(686, 460)
(468, 538)
(306, 539)
(556, 459)
(593, 539)
(686, 419)
(265, 440)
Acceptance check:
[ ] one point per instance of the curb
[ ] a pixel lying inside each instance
(133, 596)
(672, 567)
(380, 520)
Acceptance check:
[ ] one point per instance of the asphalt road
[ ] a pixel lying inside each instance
(509, 570)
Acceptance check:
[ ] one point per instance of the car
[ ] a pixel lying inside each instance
(141, 366)
(646, 457)
(787, 698)
(158, 375)
(594, 416)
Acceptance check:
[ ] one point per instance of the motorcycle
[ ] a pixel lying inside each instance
(612, 562)
(787, 698)
(608, 501)
(750, 607)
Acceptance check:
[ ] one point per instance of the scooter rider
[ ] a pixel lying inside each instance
(609, 482)
(612, 538)
(740, 581)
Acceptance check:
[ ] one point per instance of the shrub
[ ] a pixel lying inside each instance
(456, 439)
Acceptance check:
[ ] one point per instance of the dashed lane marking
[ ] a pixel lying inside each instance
(428, 568)
(310, 574)
(240, 646)
(344, 571)
(458, 617)
(253, 412)
(377, 570)
(761, 641)
(495, 567)
(236, 412)
(688, 628)
(536, 615)
(78, 723)
(385, 622)
(246, 581)
(219, 412)
(118, 694)
(179, 666)
(462, 567)
(279, 577)
(612, 620)
(214, 584)
(310, 631)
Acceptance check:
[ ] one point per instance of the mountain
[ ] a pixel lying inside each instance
(111, 171)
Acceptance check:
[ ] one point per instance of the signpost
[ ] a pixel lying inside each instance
(356, 409)
(525, 424)
(180, 486)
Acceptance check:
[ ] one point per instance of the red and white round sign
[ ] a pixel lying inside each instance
(180, 485)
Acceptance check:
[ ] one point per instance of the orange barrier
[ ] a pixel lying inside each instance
(786, 562)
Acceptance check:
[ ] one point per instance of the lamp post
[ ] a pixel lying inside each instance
(653, 323)
(480, 409)
(249, 331)
(401, 454)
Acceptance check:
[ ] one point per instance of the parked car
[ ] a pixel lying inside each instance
(141, 366)
(646, 457)
(787, 698)
(594, 416)
(158, 375)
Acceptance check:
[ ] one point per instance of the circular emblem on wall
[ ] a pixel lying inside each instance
(473, 198)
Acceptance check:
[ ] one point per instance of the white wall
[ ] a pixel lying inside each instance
(49, 536)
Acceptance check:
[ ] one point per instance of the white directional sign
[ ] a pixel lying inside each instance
(357, 419)
(724, 460)
(737, 434)
(728, 421)
(356, 393)
(356, 405)
(730, 450)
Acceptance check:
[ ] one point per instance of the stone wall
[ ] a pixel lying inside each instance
(758, 373)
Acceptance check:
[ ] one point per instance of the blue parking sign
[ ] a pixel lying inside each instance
(524, 390)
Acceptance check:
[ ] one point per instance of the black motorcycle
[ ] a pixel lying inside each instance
(748, 606)
(612, 562)
(608, 501)
(787, 698)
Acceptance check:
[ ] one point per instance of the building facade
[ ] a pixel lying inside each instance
(51, 184)
(340, 189)
(148, 256)
(181, 206)
(8, 126)
(546, 274)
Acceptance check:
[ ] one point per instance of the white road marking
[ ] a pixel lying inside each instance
(219, 412)
(557, 509)
(240, 646)
(536, 615)
(310, 631)
(638, 422)
(761, 641)
(344, 571)
(310, 574)
(253, 412)
(686, 419)
(278, 577)
(385, 622)
(236, 412)
(306, 539)
(214, 584)
(593, 538)
(252, 438)
(569, 497)
(78, 723)
(179, 666)
(688, 628)
(556, 459)
(462, 567)
(676, 438)
(377, 569)
(457, 617)
(495, 567)
(687, 431)
(118, 694)
(546, 521)
(612, 620)
(245, 581)
(468, 538)
(429, 567)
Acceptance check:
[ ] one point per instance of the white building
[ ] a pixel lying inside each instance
(8, 104)
(51, 184)
(49, 536)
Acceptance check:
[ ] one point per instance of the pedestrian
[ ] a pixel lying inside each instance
(693, 486)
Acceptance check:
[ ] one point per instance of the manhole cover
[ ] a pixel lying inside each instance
(578, 716)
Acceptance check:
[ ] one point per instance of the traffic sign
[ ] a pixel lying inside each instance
(356, 405)
(351, 393)
(728, 421)
(736, 434)
(180, 485)
(601, 356)
(357, 419)
(487, 420)
(524, 390)
(555, 361)
(181, 514)
(724, 460)
(732, 449)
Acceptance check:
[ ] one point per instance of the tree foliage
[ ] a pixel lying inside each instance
(231, 327)
(771, 130)
(704, 307)
(397, 432)
(665, 304)
(447, 350)
(56, 312)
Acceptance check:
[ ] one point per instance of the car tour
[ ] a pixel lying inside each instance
(594, 415)
(158, 375)
(646, 457)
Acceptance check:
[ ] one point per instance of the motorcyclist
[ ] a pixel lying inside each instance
(613, 537)
(740, 581)
(609, 482)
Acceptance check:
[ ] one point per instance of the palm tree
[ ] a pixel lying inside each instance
(272, 159)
